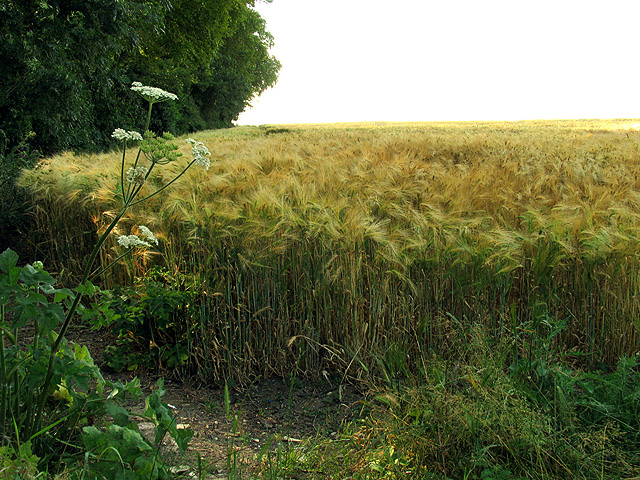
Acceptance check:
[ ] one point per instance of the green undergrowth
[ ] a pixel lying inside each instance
(479, 418)
(511, 406)
(85, 427)
(496, 408)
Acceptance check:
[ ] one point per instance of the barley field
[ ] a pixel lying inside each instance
(367, 248)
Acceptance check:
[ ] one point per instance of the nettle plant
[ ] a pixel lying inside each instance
(51, 391)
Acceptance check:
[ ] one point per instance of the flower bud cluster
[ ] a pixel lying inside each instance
(136, 175)
(133, 241)
(148, 233)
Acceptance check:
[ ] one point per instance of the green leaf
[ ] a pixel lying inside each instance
(33, 277)
(61, 294)
(132, 438)
(182, 437)
(91, 436)
(6, 289)
(12, 276)
(146, 467)
(8, 260)
(87, 288)
(120, 414)
(121, 390)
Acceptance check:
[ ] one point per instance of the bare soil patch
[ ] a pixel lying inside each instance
(288, 411)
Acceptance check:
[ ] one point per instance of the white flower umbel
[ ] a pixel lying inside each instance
(136, 175)
(148, 233)
(133, 135)
(153, 94)
(132, 241)
(121, 134)
(200, 153)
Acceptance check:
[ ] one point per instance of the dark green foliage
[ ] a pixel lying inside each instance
(67, 66)
(31, 310)
(607, 400)
(473, 421)
(242, 69)
(77, 398)
(120, 450)
(60, 66)
(151, 323)
(14, 200)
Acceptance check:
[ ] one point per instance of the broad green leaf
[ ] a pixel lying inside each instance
(87, 288)
(6, 289)
(120, 414)
(121, 390)
(82, 354)
(33, 277)
(8, 260)
(14, 275)
(133, 438)
(91, 436)
(61, 294)
(146, 467)
(182, 437)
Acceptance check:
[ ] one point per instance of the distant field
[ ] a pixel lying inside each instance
(365, 239)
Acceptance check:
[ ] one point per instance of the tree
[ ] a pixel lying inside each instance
(59, 59)
(66, 64)
(240, 71)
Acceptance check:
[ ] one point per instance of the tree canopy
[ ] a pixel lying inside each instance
(67, 66)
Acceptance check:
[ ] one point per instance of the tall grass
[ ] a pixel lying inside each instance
(339, 244)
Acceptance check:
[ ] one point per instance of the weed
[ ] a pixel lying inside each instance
(41, 365)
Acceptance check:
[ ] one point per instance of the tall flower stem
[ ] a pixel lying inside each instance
(124, 155)
(135, 164)
(43, 394)
(152, 95)
(146, 126)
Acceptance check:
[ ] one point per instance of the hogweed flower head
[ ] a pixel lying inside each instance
(121, 134)
(148, 233)
(153, 94)
(132, 241)
(200, 153)
(136, 175)
(38, 265)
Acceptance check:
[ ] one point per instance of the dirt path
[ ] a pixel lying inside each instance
(269, 412)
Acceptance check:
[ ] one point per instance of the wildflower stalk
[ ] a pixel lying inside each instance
(146, 127)
(100, 271)
(3, 375)
(67, 321)
(152, 95)
(124, 155)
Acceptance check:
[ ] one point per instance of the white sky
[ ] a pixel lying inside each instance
(421, 60)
